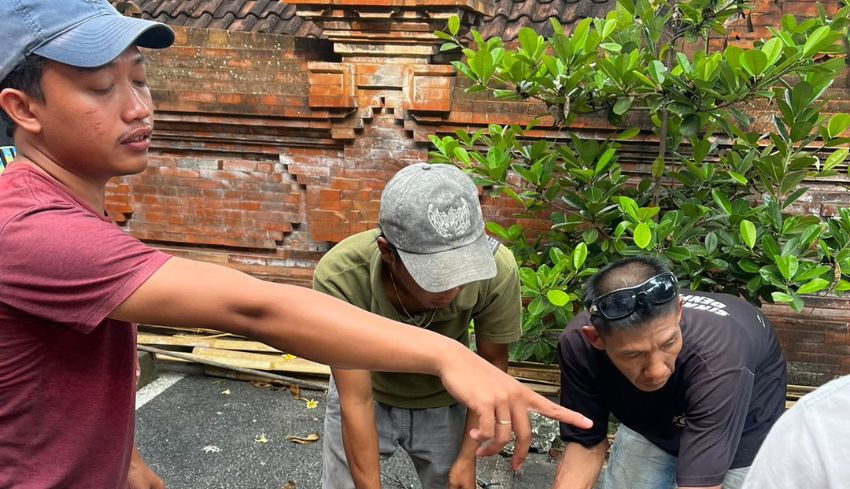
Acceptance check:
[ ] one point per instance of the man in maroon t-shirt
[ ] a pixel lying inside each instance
(73, 87)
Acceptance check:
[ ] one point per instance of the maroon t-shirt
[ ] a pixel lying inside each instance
(67, 373)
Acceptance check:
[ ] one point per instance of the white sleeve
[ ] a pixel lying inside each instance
(789, 457)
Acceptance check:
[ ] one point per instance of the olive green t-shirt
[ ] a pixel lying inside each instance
(351, 271)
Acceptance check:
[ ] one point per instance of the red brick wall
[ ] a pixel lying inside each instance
(268, 149)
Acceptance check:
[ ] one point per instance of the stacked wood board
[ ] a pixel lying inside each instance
(218, 351)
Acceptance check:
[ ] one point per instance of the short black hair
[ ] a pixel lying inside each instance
(25, 77)
(627, 273)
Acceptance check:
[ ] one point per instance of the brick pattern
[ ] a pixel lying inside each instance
(816, 342)
(237, 203)
(269, 148)
(769, 13)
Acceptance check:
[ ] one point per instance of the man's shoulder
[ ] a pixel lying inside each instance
(506, 266)
(348, 264)
(715, 316)
(572, 342)
(32, 201)
(355, 248)
(716, 305)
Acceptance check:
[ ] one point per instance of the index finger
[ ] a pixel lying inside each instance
(545, 407)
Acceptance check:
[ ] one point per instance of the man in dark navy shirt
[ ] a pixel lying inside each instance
(696, 380)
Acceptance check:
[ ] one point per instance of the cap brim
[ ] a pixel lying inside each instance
(438, 272)
(100, 39)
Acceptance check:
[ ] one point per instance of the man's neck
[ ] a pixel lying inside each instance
(398, 295)
(89, 192)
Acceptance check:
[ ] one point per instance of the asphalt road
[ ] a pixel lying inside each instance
(201, 432)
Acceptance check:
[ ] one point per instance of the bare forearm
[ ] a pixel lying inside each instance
(360, 442)
(579, 467)
(290, 318)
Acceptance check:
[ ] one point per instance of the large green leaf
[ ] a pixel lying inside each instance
(579, 255)
(788, 266)
(623, 105)
(537, 306)
(454, 25)
(754, 61)
(815, 285)
(558, 298)
(678, 253)
(838, 124)
(748, 233)
(657, 71)
(773, 50)
(814, 39)
(836, 158)
(643, 235)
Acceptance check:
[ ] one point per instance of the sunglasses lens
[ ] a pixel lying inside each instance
(618, 304)
(661, 289)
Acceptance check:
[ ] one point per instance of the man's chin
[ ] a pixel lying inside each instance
(647, 387)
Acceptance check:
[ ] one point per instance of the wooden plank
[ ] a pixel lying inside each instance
(542, 375)
(215, 363)
(542, 389)
(205, 341)
(177, 330)
(261, 361)
(232, 374)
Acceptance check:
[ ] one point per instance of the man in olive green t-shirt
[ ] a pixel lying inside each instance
(429, 265)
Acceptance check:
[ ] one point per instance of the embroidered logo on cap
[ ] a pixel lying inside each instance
(451, 223)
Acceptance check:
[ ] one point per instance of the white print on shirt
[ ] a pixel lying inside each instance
(452, 222)
(701, 303)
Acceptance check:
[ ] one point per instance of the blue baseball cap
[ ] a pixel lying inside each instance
(81, 33)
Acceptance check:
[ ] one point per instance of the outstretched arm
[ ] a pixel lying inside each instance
(313, 325)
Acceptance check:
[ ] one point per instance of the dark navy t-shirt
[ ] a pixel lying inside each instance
(727, 389)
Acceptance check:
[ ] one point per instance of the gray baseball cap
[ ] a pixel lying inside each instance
(81, 33)
(431, 214)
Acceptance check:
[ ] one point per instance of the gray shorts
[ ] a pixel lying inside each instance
(431, 437)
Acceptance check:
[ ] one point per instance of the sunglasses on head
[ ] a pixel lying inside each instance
(620, 303)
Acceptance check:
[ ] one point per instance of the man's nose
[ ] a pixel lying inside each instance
(657, 369)
(137, 105)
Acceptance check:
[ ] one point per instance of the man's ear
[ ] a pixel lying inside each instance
(386, 250)
(681, 308)
(593, 337)
(16, 104)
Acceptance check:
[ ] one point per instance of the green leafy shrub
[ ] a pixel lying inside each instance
(719, 203)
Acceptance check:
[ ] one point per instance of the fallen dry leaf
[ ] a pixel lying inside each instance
(303, 440)
(295, 390)
(289, 485)
(261, 384)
